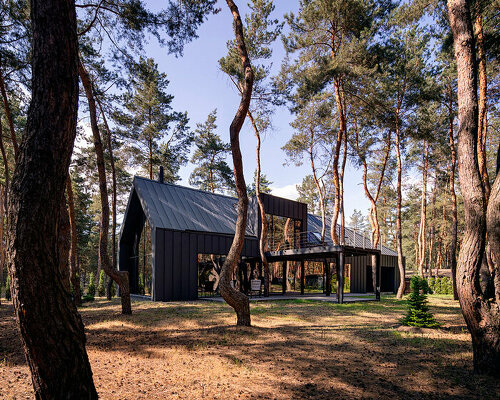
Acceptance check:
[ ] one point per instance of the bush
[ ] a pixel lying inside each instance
(101, 287)
(438, 286)
(7, 289)
(91, 287)
(418, 311)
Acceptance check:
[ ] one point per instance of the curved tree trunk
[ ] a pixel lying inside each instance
(120, 277)
(73, 252)
(481, 314)
(262, 210)
(234, 298)
(51, 329)
(113, 195)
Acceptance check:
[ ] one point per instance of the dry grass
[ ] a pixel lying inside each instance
(295, 350)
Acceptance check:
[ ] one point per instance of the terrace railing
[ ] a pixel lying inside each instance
(303, 240)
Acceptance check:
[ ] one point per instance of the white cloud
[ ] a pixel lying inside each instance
(288, 192)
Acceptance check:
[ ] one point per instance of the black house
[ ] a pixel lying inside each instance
(186, 222)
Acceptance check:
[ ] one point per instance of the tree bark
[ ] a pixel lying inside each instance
(262, 210)
(234, 298)
(481, 314)
(454, 212)
(120, 277)
(482, 127)
(341, 190)
(336, 156)
(423, 210)
(399, 234)
(52, 331)
(113, 195)
(73, 252)
(8, 114)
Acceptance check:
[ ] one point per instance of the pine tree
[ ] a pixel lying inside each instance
(156, 134)
(212, 173)
(101, 287)
(418, 310)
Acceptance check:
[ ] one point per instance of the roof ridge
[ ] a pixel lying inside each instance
(186, 187)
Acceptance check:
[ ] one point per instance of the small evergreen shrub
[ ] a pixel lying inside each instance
(418, 311)
(113, 289)
(87, 298)
(8, 296)
(91, 287)
(101, 287)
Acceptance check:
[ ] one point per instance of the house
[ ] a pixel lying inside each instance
(183, 224)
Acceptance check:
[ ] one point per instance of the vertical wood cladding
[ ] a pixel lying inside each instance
(175, 263)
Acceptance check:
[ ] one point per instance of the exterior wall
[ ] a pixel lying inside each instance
(358, 271)
(284, 208)
(175, 260)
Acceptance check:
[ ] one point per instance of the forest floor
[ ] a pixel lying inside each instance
(296, 350)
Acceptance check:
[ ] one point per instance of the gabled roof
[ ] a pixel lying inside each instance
(175, 207)
(352, 238)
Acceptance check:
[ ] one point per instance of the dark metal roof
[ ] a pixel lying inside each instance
(181, 208)
(352, 238)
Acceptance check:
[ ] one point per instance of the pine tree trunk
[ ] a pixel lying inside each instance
(336, 156)
(482, 127)
(454, 213)
(399, 234)
(481, 315)
(51, 329)
(341, 189)
(113, 197)
(262, 210)
(73, 253)
(423, 211)
(120, 277)
(234, 298)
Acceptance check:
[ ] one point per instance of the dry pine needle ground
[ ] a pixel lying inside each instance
(295, 350)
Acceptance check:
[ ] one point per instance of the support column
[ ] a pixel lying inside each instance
(285, 276)
(340, 278)
(302, 277)
(328, 276)
(378, 270)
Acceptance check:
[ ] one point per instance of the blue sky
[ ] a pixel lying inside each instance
(199, 87)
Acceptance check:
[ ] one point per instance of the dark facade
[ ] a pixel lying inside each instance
(186, 222)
